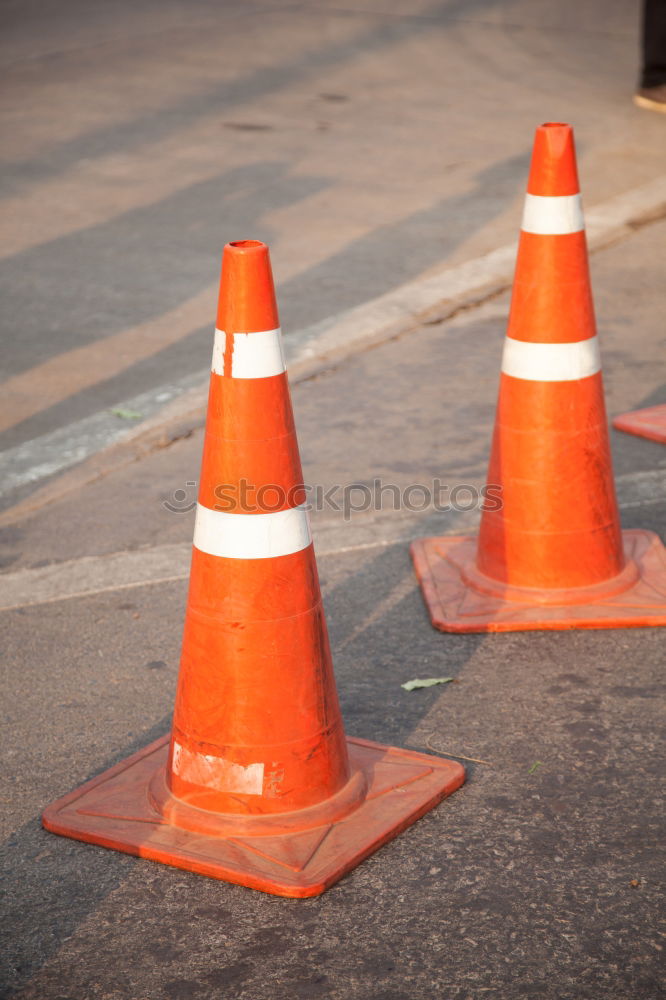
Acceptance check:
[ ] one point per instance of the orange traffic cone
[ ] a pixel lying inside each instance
(552, 556)
(258, 784)
(648, 423)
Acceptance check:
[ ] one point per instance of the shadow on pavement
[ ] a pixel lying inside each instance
(52, 885)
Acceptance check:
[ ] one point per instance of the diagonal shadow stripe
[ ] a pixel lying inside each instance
(232, 93)
(158, 255)
(48, 897)
(156, 280)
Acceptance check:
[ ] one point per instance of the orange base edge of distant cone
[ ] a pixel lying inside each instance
(288, 854)
(459, 599)
(648, 423)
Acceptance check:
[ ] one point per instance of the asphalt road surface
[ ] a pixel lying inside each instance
(370, 145)
(367, 143)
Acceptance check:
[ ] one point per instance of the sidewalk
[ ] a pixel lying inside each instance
(538, 878)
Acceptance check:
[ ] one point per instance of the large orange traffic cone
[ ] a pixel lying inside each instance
(648, 423)
(258, 784)
(552, 555)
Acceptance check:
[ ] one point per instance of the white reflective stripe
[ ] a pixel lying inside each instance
(216, 772)
(551, 362)
(251, 536)
(554, 215)
(253, 355)
(217, 364)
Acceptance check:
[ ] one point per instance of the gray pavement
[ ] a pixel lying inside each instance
(368, 143)
(540, 878)
(520, 885)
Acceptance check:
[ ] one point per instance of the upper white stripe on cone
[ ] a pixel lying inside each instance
(551, 362)
(253, 355)
(553, 215)
(251, 536)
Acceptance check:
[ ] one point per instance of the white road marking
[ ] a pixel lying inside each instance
(60, 449)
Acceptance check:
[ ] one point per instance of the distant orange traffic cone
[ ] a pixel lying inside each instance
(552, 556)
(258, 784)
(648, 423)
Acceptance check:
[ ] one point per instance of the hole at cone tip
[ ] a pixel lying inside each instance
(555, 125)
(246, 244)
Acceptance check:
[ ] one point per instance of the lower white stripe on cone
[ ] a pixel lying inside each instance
(216, 772)
(251, 536)
(551, 362)
(253, 355)
(552, 215)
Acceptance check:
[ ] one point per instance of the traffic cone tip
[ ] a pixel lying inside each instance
(553, 170)
(247, 297)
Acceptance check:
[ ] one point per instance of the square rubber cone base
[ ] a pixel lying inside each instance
(116, 810)
(443, 566)
(649, 423)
